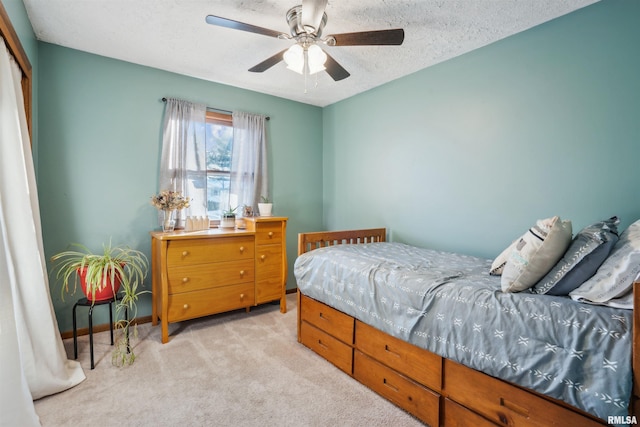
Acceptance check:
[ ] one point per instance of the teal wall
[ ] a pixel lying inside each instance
(467, 154)
(100, 139)
(462, 156)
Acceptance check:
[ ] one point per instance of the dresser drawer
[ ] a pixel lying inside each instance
(407, 394)
(268, 289)
(328, 319)
(189, 305)
(268, 261)
(268, 233)
(416, 363)
(200, 251)
(204, 276)
(504, 404)
(336, 352)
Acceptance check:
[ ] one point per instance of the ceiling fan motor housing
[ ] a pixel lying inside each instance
(297, 29)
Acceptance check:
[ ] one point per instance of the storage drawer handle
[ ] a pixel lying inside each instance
(270, 234)
(388, 350)
(515, 408)
(321, 344)
(323, 316)
(388, 384)
(186, 306)
(241, 296)
(263, 257)
(241, 249)
(185, 253)
(185, 279)
(241, 273)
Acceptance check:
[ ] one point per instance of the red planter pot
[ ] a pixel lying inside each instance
(106, 293)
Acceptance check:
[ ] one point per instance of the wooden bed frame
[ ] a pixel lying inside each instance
(436, 390)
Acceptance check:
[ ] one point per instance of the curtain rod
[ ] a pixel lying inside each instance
(164, 99)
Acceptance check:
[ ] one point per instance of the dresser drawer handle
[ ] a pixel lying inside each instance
(186, 306)
(241, 273)
(185, 253)
(241, 296)
(263, 257)
(185, 279)
(241, 249)
(270, 234)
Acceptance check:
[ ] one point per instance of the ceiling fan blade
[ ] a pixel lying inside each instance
(236, 25)
(267, 63)
(312, 11)
(335, 70)
(370, 38)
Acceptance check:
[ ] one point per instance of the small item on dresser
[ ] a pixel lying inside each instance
(197, 223)
(168, 202)
(265, 207)
(228, 219)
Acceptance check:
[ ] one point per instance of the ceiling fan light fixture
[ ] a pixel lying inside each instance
(316, 59)
(294, 58)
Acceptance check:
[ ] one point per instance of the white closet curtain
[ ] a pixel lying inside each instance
(249, 174)
(183, 165)
(33, 361)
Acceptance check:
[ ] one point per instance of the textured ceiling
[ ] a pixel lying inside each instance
(172, 35)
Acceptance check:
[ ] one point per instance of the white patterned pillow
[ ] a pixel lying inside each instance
(617, 273)
(535, 253)
(497, 266)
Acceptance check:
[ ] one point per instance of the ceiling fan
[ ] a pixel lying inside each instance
(306, 22)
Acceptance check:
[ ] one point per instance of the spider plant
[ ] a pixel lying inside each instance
(118, 269)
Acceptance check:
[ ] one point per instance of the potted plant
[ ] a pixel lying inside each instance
(228, 219)
(102, 276)
(265, 207)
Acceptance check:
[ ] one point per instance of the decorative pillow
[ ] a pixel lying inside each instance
(535, 253)
(617, 273)
(497, 266)
(588, 250)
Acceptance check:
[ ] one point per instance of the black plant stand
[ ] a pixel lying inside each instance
(86, 303)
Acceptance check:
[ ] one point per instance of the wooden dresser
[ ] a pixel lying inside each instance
(196, 274)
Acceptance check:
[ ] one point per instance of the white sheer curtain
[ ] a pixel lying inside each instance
(183, 165)
(33, 361)
(249, 175)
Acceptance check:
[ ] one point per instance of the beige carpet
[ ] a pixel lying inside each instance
(234, 369)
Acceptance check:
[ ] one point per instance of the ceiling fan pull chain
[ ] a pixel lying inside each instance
(306, 75)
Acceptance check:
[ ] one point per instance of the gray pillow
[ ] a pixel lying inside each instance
(588, 250)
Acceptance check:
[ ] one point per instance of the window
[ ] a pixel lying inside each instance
(219, 143)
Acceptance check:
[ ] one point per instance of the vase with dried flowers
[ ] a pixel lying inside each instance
(168, 202)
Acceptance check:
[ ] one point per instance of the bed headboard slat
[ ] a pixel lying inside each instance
(310, 241)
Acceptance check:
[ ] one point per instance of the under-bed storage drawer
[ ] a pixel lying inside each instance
(332, 321)
(335, 351)
(407, 394)
(503, 403)
(416, 363)
(459, 416)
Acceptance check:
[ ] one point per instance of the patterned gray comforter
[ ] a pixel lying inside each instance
(448, 304)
